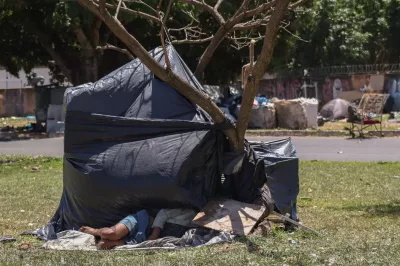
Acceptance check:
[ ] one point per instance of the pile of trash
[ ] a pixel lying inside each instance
(272, 113)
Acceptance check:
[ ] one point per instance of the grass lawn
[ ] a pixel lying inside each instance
(341, 125)
(355, 205)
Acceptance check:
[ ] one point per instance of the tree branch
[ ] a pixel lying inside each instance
(183, 87)
(294, 35)
(82, 39)
(259, 69)
(115, 48)
(95, 31)
(260, 9)
(218, 37)
(102, 6)
(192, 41)
(244, 41)
(118, 7)
(208, 8)
(296, 4)
(164, 20)
(251, 24)
(134, 12)
(143, 3)
(263, 21)
(217, 5)
(45, 41)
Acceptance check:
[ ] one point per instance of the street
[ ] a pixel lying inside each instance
(308, 148)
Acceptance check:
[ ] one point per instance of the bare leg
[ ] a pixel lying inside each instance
(116, 232)
(90, 230)
(107, 244)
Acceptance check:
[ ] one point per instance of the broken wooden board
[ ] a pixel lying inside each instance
(229, 216)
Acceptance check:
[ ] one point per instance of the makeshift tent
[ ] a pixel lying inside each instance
(335, 109)
(133, 142)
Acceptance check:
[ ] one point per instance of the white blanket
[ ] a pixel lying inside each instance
(75, 240)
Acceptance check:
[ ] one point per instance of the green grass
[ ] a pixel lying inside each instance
(355, 205)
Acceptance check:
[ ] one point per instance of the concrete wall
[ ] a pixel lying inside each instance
(328, 88)
(17, 102)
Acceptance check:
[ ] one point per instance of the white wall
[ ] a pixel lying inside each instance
(8, 81)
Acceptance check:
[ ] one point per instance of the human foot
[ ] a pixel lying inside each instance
(90, 230)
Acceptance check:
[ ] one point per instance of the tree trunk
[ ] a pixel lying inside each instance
(89, 57)
(259, 69)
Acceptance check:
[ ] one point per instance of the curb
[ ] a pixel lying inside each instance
(315, 133)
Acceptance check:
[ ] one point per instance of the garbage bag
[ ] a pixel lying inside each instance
(282, 173)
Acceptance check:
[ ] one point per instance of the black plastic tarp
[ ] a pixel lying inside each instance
(133, 142)
(282, 171)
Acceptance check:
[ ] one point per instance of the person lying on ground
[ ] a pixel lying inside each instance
(135, 229)
(131, 230)
(172, 222)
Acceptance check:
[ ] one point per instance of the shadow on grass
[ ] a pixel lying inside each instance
(391, 209)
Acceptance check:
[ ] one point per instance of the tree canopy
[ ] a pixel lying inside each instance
(321, 33)
(343, 32)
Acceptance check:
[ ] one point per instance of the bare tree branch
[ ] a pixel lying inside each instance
(134, 12)
(251, 24)
(192, 41)
(164, 20)
(208, 8)
(294, 35)
(115, 48)
(297, 4)
(175, 81)
(260, 9)
(190, 14)
(217, 5)
(244, 41)
(260, 68)
(192, 31)
(143, 3)
(218, 38)
(118, 7)
(167, 12)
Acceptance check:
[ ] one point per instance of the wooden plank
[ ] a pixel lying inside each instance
(229, 216)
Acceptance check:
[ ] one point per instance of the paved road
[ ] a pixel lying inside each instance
(329, 149)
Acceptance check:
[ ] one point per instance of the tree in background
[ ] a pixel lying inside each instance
(342, 32)
(35, 32)
(80, 47)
